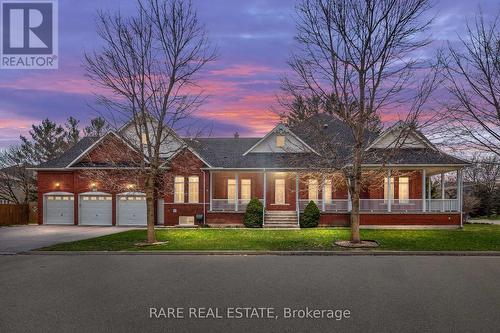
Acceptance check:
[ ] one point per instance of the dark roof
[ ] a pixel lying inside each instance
(410, 156)
(228, 153)
(69, 155)
(320, 132)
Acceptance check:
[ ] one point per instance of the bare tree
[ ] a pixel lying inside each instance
(149, 63)
(472, 72)
(361, 53)
(17, 183)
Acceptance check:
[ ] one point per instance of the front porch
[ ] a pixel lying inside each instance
(392, 191)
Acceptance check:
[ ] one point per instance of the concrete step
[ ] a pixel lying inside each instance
(281, 225)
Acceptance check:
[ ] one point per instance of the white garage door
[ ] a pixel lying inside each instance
(59, 208)
(131, 209)
(96, 209)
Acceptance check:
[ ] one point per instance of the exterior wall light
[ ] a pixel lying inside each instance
(58, 185)
(93, 186)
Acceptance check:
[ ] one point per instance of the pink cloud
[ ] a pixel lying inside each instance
(242, 70)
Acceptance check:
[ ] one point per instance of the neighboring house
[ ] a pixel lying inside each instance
(214, 179)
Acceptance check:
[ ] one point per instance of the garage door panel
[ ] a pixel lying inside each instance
(59, 209)
(96, 210)
(132, 210)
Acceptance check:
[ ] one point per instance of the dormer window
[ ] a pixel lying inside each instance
(144, 139)
(280, 141)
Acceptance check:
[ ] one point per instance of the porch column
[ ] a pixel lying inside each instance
(389, 192)
(349, 201)
(429, 188)
(211, 190)
(460, 194)
(265, 198)
(442, 191)
(323, 193)
(424, 178)
(297, 202)
(236, 190)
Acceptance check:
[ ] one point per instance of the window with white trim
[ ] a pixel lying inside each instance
(313, 189)
(404, 189)
(179, 189)
(144, 139)
(194, 188)
(327, 191)
(231, 190)
(246, 190)
(386, 187)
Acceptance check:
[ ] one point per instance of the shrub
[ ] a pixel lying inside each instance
(310, 217)
(253, 214)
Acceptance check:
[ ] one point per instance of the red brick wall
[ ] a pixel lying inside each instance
(225, 218)
(111, 148)
(185, 164)
(410, 219)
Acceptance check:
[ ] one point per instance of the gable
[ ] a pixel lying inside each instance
(171, 142)
(280, 140)
(110, 150)
(399, 137)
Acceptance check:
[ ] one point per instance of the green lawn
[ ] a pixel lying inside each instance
(471, 238)
(491, 217)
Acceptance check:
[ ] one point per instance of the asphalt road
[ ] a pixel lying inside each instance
(114, 293)
(17, 239)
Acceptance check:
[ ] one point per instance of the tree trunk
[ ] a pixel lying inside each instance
(355, 194)
(150, 206)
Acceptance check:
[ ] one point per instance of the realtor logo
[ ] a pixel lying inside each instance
(29, 38)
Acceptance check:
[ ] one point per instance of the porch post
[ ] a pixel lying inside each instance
(424, 178)
(323, 193)
(429, 188)
(460, 195)
(297, 203)
(236, 190)
(389, 192)
(265, 198)
(211, 190)
(442, 192)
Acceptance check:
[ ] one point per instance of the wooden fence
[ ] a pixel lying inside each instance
(11, 214)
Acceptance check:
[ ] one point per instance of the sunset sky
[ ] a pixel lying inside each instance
(254, 37)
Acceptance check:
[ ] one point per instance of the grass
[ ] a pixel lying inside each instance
(491, 217)
(471, 238)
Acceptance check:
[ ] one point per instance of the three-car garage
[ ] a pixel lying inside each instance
(95, 209)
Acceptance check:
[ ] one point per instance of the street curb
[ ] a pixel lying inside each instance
(277, 253)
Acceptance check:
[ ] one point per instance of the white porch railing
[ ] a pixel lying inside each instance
(408, 206)
(229, 205)
(303, 203)
(442, 205)
(337, 205)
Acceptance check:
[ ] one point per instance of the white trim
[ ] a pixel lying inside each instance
(58, 193)
(272, 132)
(400, 125)
(132, 194)
(95, 193)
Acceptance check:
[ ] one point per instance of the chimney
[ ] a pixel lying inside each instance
(236, 135)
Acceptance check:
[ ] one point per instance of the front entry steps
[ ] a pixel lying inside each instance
(280, 219)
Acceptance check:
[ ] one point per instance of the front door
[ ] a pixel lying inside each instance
(279, 191)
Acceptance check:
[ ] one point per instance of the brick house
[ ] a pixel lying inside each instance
(211, 180)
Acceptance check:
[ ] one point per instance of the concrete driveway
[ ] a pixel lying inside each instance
(17, 239)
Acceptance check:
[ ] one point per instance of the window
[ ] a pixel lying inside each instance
(386, 195)
(194, 186)
(313, 189)
(246, 190)
(179, 190)
(327, 191)
(404, 189)
(231, 190)
(144, 139)
(280, 141)
(279, 191)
